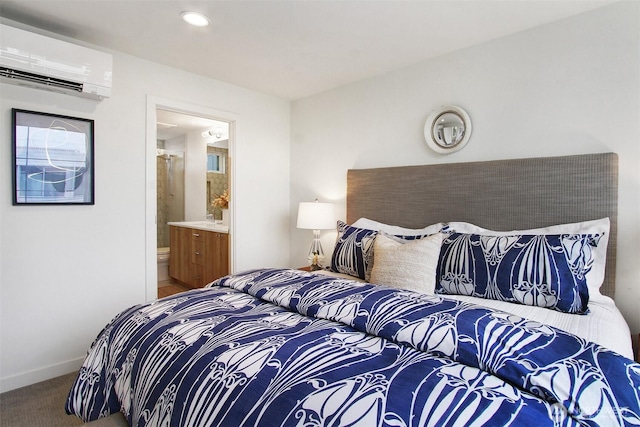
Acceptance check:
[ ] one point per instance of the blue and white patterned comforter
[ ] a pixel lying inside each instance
(282, 347)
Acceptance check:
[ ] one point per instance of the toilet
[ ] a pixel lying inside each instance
(163, 264)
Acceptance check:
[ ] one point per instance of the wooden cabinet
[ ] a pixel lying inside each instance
(197, 256)
(179, 253)
(217, 248)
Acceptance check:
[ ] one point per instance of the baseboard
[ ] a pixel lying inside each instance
(37, 375)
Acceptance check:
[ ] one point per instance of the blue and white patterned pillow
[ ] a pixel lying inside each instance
(397, 231)
(595, 276)
(353, 251)
(540, 270)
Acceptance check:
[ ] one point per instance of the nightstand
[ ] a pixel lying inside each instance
(309, 268)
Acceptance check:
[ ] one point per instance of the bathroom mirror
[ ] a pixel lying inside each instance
(447, 129)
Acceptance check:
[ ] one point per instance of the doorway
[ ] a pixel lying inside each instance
(170, 193)
(183, 136)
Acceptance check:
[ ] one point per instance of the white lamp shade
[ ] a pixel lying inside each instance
(316, 216)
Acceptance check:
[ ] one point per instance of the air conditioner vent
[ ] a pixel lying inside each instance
(39, 79)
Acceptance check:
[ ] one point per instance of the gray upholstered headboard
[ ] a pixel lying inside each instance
(498, 195)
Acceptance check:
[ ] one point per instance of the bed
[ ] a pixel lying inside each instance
(271, 347)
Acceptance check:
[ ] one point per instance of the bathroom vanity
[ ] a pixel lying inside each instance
(199, 252)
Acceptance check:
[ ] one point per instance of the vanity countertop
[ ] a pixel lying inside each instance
(202, 225)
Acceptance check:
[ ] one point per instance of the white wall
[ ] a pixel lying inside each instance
(195, 179)
(67, 270)
(570, 87)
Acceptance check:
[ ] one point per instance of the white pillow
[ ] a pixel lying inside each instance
(406, 264)
(394, 230)
(587, 227)
(595, 277)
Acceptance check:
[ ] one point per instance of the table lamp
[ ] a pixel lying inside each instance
(316, 216)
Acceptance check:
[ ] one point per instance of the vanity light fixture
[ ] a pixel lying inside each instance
(316, 216)
(217, 132)
(195, 18)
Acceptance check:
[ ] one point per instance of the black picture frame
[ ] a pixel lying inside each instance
(53, 159)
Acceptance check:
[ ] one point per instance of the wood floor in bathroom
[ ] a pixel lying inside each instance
(170, 287)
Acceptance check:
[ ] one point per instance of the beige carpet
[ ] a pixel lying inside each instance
(38, 405)
(42, 405)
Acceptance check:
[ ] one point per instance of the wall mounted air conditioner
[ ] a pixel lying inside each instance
(33, 60)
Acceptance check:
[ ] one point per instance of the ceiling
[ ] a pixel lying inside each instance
(170, 124)
(294, 48)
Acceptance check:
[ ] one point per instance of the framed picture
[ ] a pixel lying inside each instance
(52, 159)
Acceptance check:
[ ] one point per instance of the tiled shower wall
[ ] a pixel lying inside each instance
(217, 182)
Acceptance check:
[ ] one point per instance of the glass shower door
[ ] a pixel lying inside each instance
(170, 192)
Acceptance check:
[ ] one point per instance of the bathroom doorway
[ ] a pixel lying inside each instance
(191, 151)
(188, 152)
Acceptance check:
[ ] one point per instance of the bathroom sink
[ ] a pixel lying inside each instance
(203, 225)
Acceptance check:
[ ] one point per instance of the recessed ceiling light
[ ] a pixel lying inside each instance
(195, 18)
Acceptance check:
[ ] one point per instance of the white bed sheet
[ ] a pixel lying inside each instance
(603, 324)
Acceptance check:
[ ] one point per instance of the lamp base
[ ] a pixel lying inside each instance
(316, 254)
